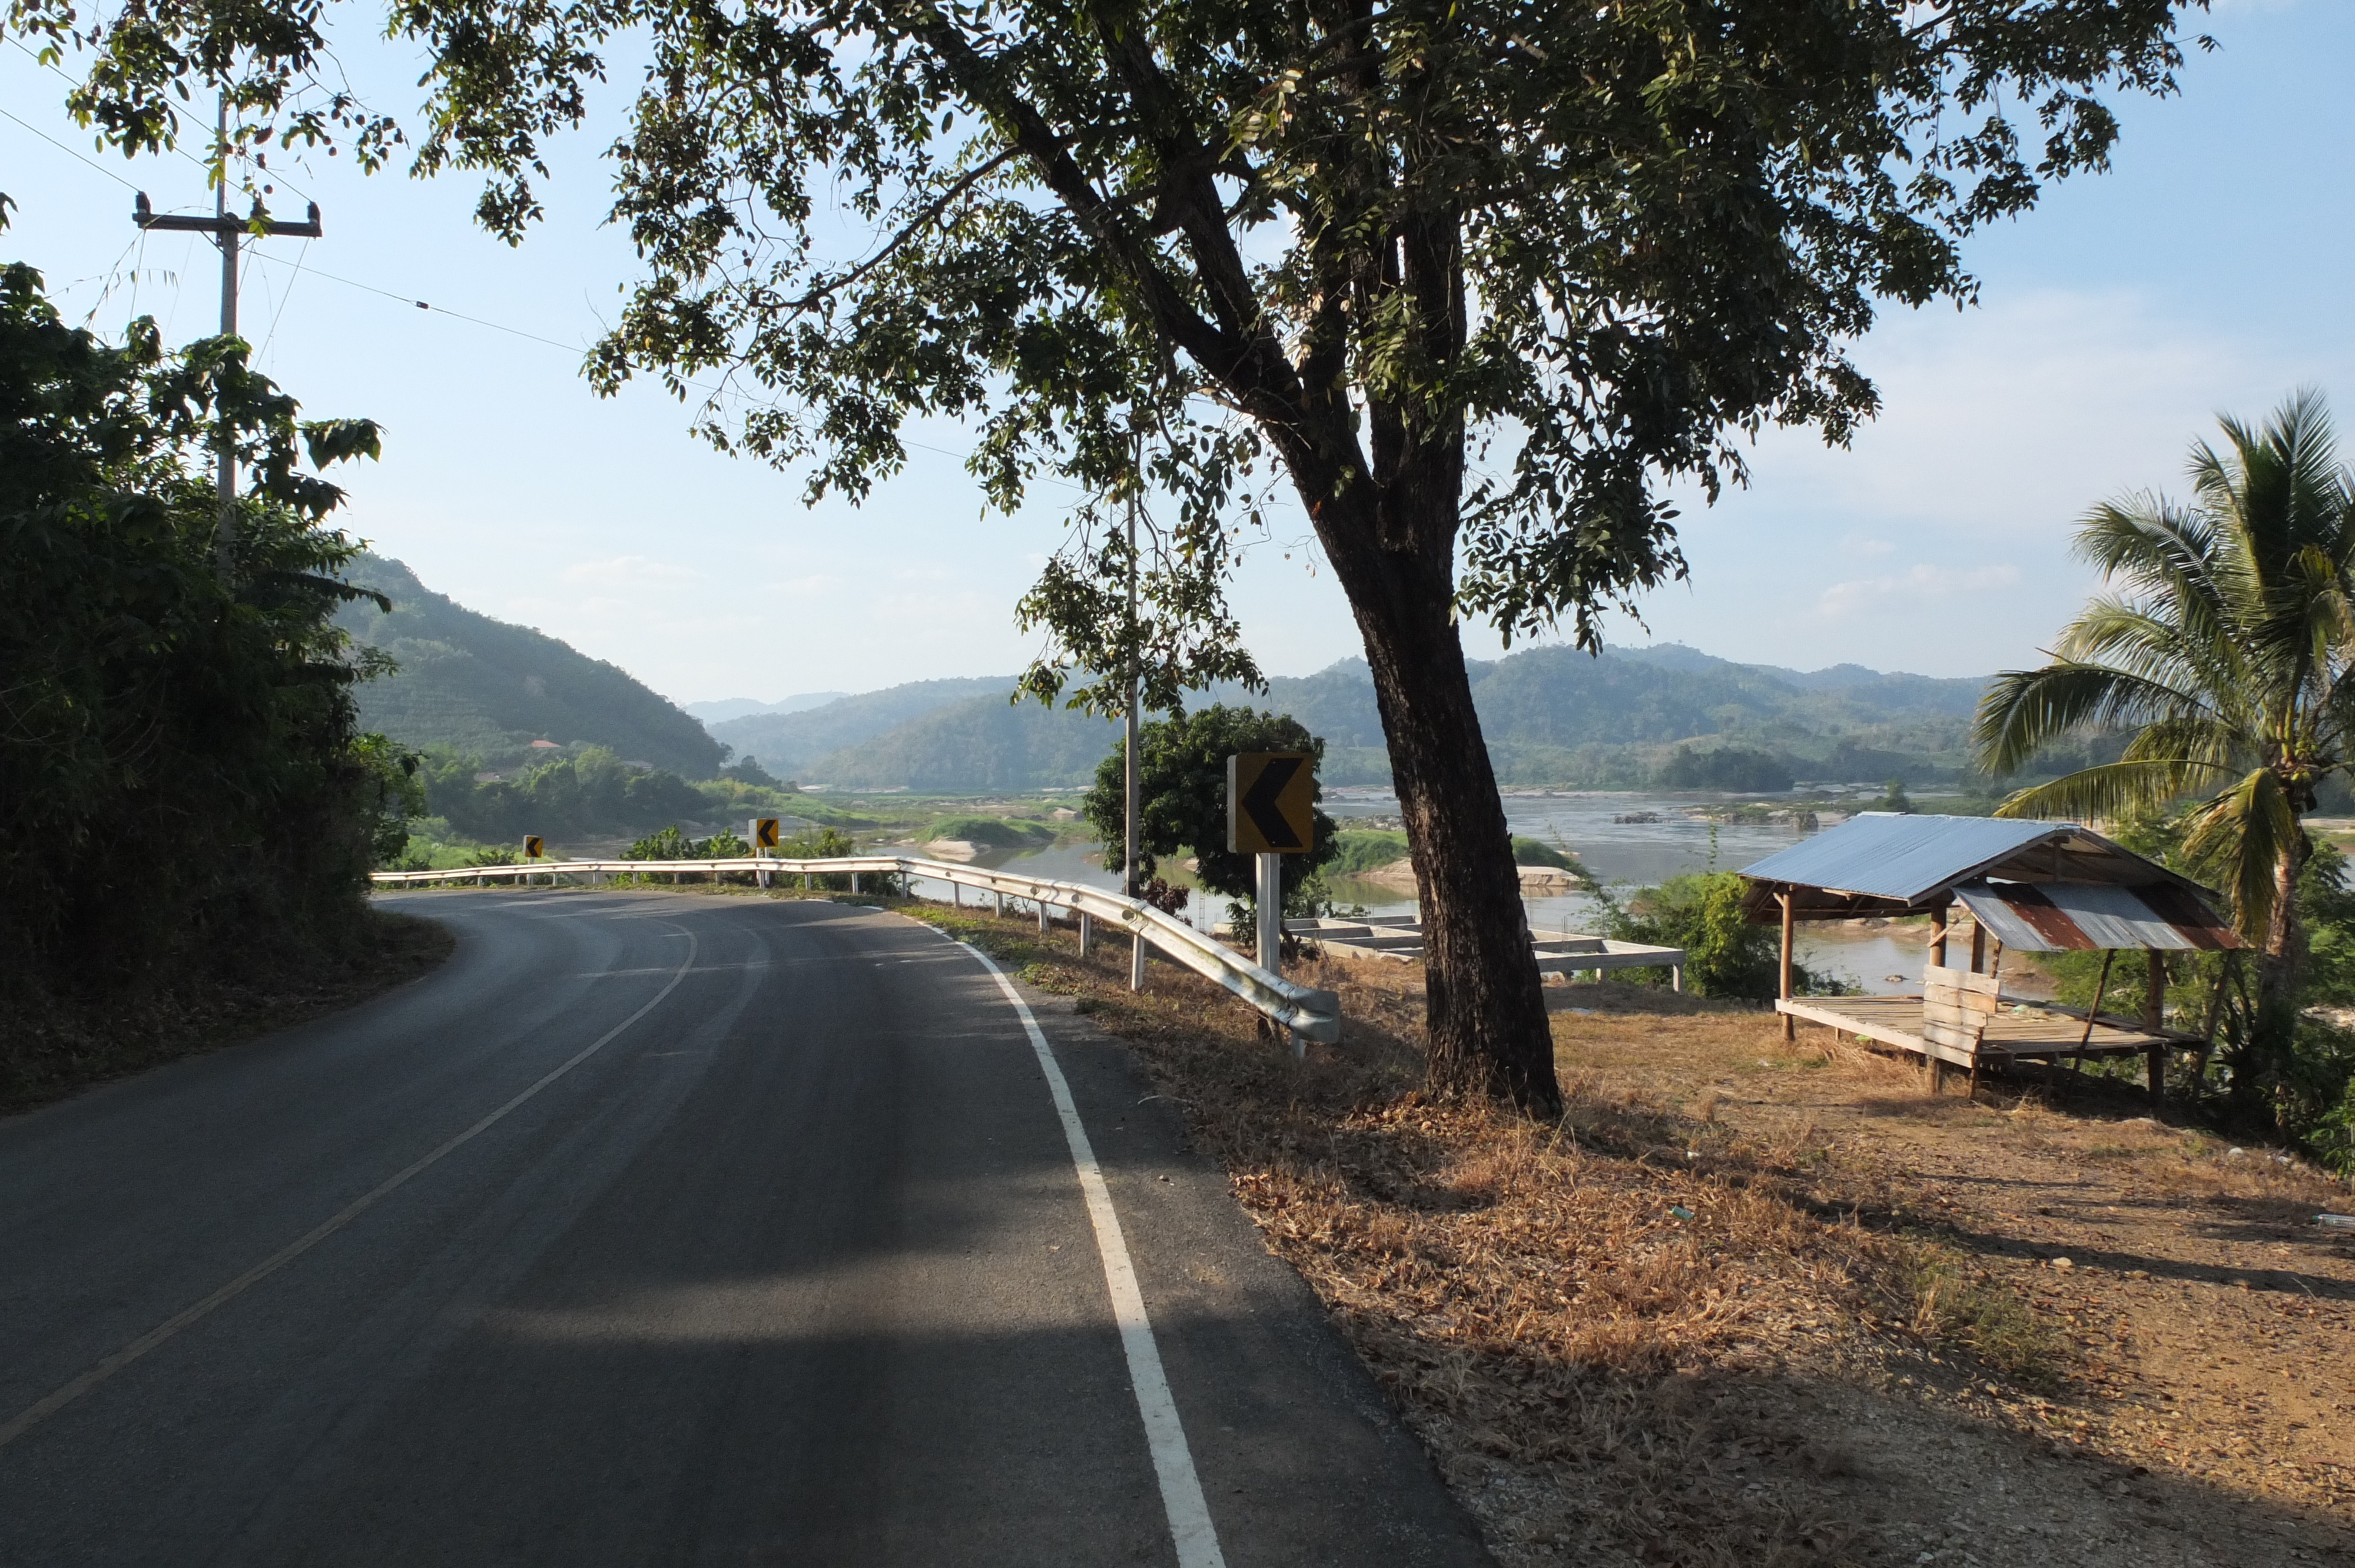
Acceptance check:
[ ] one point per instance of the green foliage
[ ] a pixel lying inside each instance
(1184, 795)
(999, 832)
(589, 792)
(1537, 852)
(1894, 800)
(1701, 912)
(182, 780)
(1728, 768)
(1359, 850)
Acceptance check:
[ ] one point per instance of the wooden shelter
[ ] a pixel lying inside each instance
(2028, 887)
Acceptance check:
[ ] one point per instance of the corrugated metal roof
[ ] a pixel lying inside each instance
(1883, 855)
(2079, 917)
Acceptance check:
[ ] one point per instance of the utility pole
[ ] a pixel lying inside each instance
(225, 231)
(1135, 756)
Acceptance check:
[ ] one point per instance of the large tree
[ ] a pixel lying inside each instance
(1485, 278)
(2228, 647)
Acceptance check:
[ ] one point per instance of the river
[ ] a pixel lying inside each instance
(1592, 824)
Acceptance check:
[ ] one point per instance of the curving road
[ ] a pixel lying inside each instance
(662, 1228)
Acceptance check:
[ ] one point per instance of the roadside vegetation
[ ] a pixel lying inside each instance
(1183, 791)
(190, 806)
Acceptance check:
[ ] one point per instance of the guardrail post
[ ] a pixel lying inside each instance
(854, 882)
(1136, 963)
(1042, 917)
(1087, 927)
(999, 912)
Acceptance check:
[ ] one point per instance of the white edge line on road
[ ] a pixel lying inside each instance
(1172, 1463)
(325, 1228)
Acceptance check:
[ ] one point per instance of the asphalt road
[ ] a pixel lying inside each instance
(660, 1228)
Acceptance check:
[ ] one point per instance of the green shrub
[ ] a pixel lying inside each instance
(998, 832)
(1537, 852)
(1361, 850)
(184, 789)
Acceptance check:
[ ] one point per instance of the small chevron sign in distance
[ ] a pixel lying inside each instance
(764, 833)
(1271, 802)
(532, 846)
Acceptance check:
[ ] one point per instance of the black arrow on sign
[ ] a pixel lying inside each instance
(1259, 803)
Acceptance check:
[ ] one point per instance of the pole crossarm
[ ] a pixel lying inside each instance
(1313, 1014)
(146, 217)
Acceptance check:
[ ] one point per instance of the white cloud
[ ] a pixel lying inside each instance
(1912, 586)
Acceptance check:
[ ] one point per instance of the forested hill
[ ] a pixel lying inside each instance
(490, 689)
(1552, 715)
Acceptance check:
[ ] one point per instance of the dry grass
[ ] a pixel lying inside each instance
(1591, 1323)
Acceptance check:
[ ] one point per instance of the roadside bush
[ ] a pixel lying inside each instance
(182, 785)
(1183, 788)
(1701, 912)
(1358, 850)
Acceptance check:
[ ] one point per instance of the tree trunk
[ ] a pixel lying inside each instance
(2281, 967)
(1485, 1001)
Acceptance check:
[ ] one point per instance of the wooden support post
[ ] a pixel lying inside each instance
(2155, 1061)
(1973, 1092)
(1938, 936)
(1978, 951)
(2101, 988)
(1790, 1024)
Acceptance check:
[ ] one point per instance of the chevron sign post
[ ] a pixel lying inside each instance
(1271, 813)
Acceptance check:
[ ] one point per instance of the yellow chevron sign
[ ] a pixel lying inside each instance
(1271, 802)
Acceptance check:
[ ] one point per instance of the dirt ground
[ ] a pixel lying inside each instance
(1760, 1304)
(2194, 1404)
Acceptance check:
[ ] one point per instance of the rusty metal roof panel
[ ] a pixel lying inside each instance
(2078, 916)
(1884, 854)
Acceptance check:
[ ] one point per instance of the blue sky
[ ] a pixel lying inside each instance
(2206, 273)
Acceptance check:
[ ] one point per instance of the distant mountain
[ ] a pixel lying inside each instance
(728, 708)
(790, 743)
(490, 689)
(1552, 716)
(982, 744)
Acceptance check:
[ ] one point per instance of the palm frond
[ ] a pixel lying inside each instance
(2112, 791)
(2241, 839)
(2026, 710)
(2143, 639)
(2211, 743)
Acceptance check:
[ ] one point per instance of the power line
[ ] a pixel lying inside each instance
(69, 151)
(255, 255)
(573, 348)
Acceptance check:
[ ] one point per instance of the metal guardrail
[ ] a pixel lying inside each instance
(1311, 1013)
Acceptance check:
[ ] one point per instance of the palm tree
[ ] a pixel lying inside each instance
(2227, 646)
